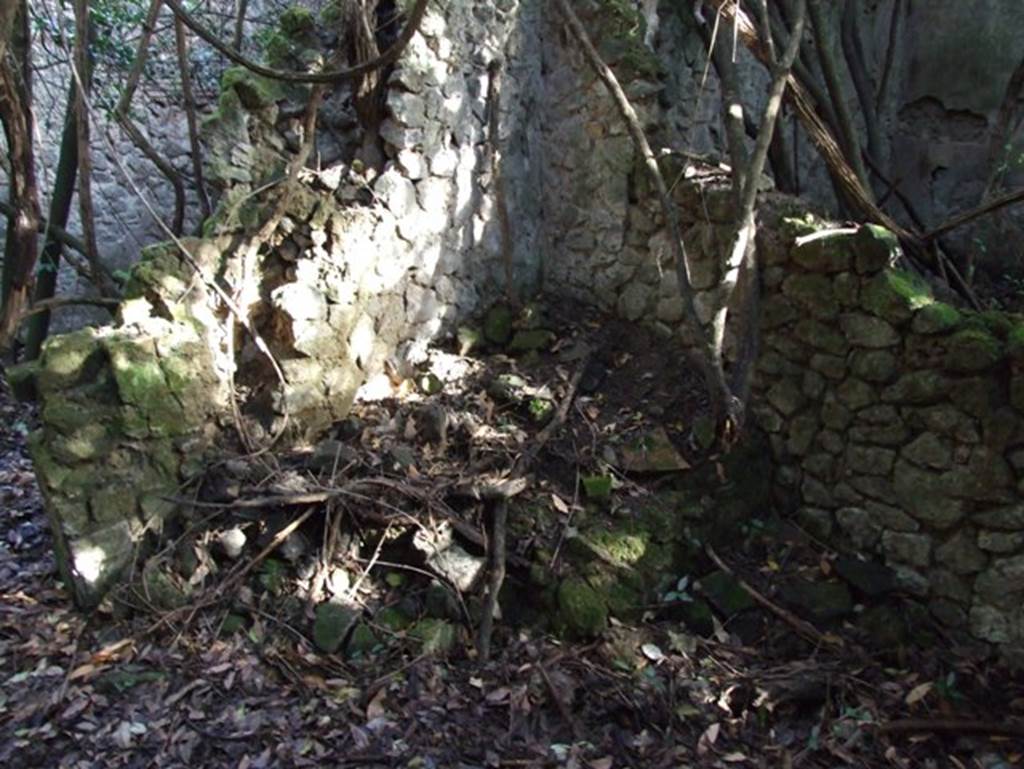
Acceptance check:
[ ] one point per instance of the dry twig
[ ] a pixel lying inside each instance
(803, 627)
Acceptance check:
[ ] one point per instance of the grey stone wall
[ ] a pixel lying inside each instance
(362, 267)
(898, 423)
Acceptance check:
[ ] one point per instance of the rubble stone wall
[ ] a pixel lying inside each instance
(898, 423)
(363, 268)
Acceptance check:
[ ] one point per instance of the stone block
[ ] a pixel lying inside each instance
(925, 495)
(908, 549)
(929, 450)
(868, 331)
(825, 251)
(875, 248)
(856, 393)
(895, 295)
(869, 460)
(960, 553)
(812, 293)
(877, 366)
(1000, 542)
(859, 526)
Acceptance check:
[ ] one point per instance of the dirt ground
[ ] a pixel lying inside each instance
(228, 673)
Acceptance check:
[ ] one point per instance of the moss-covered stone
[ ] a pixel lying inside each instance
(620, 29)
(802, 430)
(296, 21)
(652, 452)
(926, 495)
(597, 487)
(498, 325)
(786, 396)
(821, 601)
(856, 393)
(434, 636)
(393, 618)
(254, 91)
(918, 388)
(820, 337)
(582, 610)
(813, 293)
(878, 366)
(971, 350)
(936, 318)
(777, 311)
(895, 295)
(469, 339)
(531, 339)
(331, 625)
(362, 641)
(876, 248)
(725, 593)
(979, 396)
(830, 366)
(825, 252)
(22, 381)
(1015, 341)
(68, 360)
(868, 331)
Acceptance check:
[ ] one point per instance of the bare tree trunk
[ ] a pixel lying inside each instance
(241, 9)
(360, 19)
(853, 51)
(122, 112)
(497, 177)
(733, 113)
(850, 184)
(60, 209)
(890, 55)
(827, 57)
(8, 15)
(81, 68)
(743, 255)
(20, 249)
(181, 40)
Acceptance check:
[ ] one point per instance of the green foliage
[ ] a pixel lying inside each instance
(296, 21)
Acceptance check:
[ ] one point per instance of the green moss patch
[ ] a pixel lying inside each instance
(582, 610)
(896, 295)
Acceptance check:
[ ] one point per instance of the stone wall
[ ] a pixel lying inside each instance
(898, 422)
(894, 418)
(363, 268)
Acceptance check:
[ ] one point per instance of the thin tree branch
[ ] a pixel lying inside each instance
(497, 177)
(853, 52)
(1002, 131)
(714, 375)
(977, 212)
(890, 55)
(81, 68)
(181, 44)
(743, 252)
(858, 196)
(43, 227)
(21, 243)
(827, 58)
(242, 7)
(48, 305)
(324, 78)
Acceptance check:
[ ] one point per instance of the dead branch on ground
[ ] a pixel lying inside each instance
(497, 547)
(804, 628)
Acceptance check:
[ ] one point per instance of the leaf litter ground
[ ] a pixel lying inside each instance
(215, 663)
